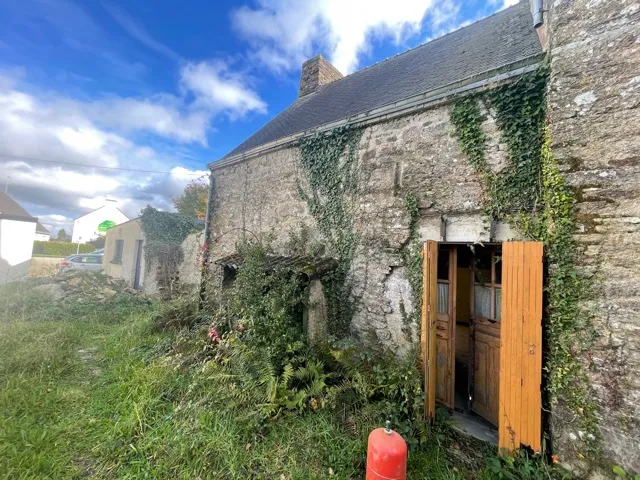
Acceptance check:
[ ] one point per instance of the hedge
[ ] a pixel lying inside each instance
(60, 249)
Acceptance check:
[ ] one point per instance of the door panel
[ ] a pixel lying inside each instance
(428, 324)
(445, 326)
(520, 404)
(487, 372)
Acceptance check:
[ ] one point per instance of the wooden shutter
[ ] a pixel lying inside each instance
(428, 326)
(520, 403)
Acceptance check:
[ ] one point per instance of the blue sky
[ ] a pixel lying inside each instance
(169, 86)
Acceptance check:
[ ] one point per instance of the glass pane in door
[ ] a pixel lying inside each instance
(443, 298)
(482, 301)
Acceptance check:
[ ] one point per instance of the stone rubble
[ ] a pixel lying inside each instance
(78, 286)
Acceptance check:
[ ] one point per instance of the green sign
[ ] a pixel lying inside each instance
(106, 225)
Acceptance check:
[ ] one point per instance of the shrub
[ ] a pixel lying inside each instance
(176, 313)
(268, 303)
(521, 465)
(263, 364)
(375, 387)
(60, 249)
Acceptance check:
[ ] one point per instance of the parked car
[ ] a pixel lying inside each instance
(87, 261)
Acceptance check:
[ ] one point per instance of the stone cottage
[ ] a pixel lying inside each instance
(524, 126)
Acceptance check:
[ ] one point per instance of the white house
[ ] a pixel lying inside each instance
(90, 226)
(17, 233)
(42, 234)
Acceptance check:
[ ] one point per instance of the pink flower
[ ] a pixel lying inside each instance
(240, 327)
(213, 335)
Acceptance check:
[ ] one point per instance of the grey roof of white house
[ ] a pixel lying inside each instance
(505, 38)
(11, 209)
(41, 229)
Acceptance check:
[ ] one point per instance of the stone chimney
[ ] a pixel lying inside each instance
(316, 72)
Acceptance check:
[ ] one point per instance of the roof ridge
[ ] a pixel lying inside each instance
(429, 42)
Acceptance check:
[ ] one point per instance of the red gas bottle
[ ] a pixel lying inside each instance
(386, 455)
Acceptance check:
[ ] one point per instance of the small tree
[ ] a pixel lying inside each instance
(62, 235)
(98, 242)
(193, 201)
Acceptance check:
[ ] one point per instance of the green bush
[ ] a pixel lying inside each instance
(177, 313)
(268, 302)
(60, 249)
(377, 386)
(264, 365)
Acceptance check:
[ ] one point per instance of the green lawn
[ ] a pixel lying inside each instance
(93, 391)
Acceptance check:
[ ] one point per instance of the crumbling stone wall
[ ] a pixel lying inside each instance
(188, 273)
(416, 154)
(594, 107)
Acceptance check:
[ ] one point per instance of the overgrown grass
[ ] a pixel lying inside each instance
(104, 394)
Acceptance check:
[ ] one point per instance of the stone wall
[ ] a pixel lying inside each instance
(44, 266)
(594, 107)
(188, 273)
(416, 154)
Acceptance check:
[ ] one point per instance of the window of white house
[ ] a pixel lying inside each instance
(487, 287)
(117, 254)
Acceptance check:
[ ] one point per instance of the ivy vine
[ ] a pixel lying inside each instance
(532, 195)
(164, 233)
(330, 164)
(412, 256)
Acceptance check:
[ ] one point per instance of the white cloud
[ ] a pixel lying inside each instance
(508, 3)
(164, 115)
(444, 13)
(285, 32)
(138, 31)
(503, 3)
(55, 222)
(58, 129)
(216, 87)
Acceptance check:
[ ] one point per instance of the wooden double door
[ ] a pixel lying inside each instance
(505, 361)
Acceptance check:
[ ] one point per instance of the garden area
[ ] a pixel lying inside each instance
(131, 387)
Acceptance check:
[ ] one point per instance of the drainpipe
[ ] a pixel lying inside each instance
(537, 10)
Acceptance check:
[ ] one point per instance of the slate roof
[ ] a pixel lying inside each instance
(504, 38)
(10, 208)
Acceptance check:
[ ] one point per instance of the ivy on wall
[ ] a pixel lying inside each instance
(533, 196)
(412, 256)
(331, 170)
(164, 233)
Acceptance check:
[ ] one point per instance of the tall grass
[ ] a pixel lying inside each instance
(95, 391)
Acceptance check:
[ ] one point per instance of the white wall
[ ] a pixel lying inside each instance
(43, 237)
(85, 228)
(16, 246)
